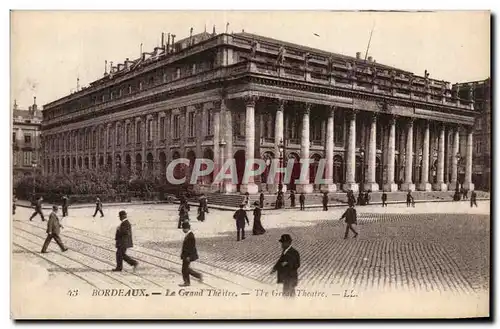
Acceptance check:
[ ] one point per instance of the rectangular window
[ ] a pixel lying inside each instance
(27, 139)
(162, 128)
(177, 73)
(176, 128)
(14, 137)
(193, 68)
(138, 131)
(27, 156)
(150, 130)
(191, 124)
(210, 122)
(110, 136)
(118, 135)
(316, 130)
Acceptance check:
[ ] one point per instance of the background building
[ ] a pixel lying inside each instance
(481, 170)
(26, 139)
(246, 96)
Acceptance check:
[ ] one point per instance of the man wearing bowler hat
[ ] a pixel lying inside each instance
(189, 254)
(123, 239)
(53, 231)
(287, 266)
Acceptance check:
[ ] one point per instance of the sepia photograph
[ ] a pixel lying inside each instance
(210, 165)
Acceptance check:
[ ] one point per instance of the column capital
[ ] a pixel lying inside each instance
(281, 104)
(374, 116)
(250, 100)
(410, 121)
(306, 108)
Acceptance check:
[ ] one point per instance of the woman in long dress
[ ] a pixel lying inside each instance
(257, 224)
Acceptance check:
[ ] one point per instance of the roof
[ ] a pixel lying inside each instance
(316, 50)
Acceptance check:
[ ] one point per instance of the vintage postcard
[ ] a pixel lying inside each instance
(250, 164)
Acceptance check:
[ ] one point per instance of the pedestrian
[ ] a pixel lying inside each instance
(384, 199)
(367, 196)
(183, 212)
(202, 209)
(360, 198)
(279, 200)
(409, 198)
(246, 201)
(53, 231)
(325, 201)
(466, 194)
(123, 238)
(65, 206)
(38, 209)
(204, 203)
(287, 266)
(14, 200)
(189, 254)
(261, 200)
(241, 217)
(98, 207)
(292, 199)
(473, 197)
(350, 216)
(302, 201)
(257, 229)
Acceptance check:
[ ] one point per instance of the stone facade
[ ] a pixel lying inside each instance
(238, 96)
(26, 126)
(481, 93)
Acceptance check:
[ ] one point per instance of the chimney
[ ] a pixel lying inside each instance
(105, 67)
(213, 31)
(15, 104)
(163, 40)
(34, 100)
(173, 40)
(358, 55)
(370, 59)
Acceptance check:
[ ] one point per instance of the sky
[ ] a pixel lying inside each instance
(51, 49)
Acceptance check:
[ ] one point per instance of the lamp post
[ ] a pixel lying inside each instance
(280, 148)
(362, 152)
(34, 165)
(222, 146)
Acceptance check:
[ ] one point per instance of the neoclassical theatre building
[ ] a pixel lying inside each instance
(244, 96)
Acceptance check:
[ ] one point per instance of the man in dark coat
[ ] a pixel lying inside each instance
(409, 199)
(302, 201)
(124, 241)
(98, 207)
(183, 212)
(241, 217)
(65, 206)
(38, 209)
(53, 231)
(384, 199)
(473, 197)
(188, 254)
(350, 218)
(292, 199)
(325, 201)
(261, 200)
(287, 266)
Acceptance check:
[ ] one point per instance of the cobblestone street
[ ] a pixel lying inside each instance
(441, 248)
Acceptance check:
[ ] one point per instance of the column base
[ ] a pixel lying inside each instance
(251, 188)
(228, 188)
(305, 188)
(425, 187)
(440, 187)
(330, 188)
(371, 187)
(351, 186)
(453, 186)
(390, 187)
(468, 186)
(408, 187)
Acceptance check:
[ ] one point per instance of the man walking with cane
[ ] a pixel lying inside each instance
(123, 238)
(189, 254)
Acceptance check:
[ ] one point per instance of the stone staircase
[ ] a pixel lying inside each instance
(338, 198)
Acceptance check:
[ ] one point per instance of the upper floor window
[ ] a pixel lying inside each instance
(210, 122)
(162, 128)
(191, 124)
(316, 130)
(14, 137)
(118, 135)
(138, 131)
(164, 77)
(150, 130)
(338, 131)
(151, 81)
(176, 126)
(177, 72)
(193, 68)
(292, 129)
(140, 85)
(129, 89)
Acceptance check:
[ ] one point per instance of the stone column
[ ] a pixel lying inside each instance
(440, 185)
(390, 186)
(279, 132)
(226, 142)
(217, 149)
(305, 186)
(350, 183)
(408, 184)
(250, 187)
(468, 185)
(371, 184)
(329, 186)
(424, 178)
(454, 160)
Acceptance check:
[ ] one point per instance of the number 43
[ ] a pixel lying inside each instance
(73, 293)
